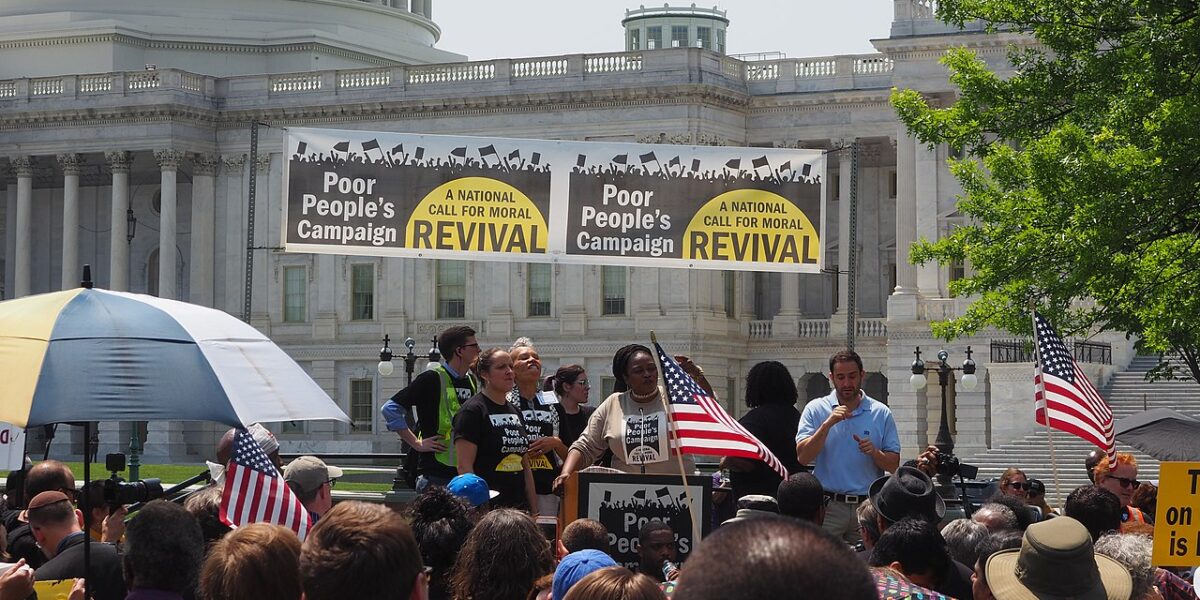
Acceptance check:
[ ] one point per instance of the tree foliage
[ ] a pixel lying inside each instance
(1083, 172)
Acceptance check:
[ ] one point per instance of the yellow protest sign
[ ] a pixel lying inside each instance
(53, 590)
(1176, 524)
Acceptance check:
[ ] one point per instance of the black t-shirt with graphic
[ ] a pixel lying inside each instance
(572, 425)
(498, 432)
(542, 420)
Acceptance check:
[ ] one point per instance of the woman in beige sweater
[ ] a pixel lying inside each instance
(632, 422)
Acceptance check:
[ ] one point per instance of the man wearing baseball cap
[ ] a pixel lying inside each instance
(311, 480)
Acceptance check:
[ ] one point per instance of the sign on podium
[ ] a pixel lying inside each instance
(624, 502)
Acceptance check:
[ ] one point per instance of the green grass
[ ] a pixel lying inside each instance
(172, 474)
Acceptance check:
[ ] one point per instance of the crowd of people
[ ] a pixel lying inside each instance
(494, 443)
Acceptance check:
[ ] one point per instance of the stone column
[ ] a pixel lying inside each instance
(10, 229)
(902, 304)
(906, 211)
(927, 215)
(22, 278)
(70, 237)
(572, 314)
(234, 235)
(168, 164)
(200, 275)
(844, 185)
(118, 254)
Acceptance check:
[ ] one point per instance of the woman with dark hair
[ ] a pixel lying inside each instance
(490, 438)
(773, 419)
(502, 559)
(632, 422)
(570, 384)
(441, 523)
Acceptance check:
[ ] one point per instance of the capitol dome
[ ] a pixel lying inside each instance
(214, 37)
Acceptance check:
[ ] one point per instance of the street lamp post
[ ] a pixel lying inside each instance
(944, 441)
(386, 368)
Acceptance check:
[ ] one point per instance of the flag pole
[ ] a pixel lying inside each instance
(692, 506)
(1041, 386)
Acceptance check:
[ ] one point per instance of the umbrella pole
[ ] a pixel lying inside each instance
(87, 510)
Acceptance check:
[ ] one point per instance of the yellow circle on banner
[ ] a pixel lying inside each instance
(477, 214)
(751, 225)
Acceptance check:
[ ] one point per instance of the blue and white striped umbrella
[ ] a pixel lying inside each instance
(96, 355)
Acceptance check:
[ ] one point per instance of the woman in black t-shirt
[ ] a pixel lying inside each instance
(490, 438)
(773, 419)
(570, 384)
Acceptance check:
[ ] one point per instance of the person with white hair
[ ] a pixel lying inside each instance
(962, 539)
(1134, 552)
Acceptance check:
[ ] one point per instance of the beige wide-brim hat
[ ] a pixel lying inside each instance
(1056, 562)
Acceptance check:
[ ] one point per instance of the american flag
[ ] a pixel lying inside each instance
(255, 491)
(1074, 406)
(701, 425)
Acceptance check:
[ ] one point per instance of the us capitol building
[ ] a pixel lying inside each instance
(125, 144)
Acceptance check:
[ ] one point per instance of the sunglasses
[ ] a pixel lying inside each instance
(1020, 485)
(583, 382)
(1126, 482)
(332, 482)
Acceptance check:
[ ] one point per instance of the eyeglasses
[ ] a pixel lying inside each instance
(1020, 485)
(583, 382)
(474, 345)
(332, 482)
(1126, 482)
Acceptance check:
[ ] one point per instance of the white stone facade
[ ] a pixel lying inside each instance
(84, 143)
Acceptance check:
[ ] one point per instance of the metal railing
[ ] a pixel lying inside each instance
(1018, 351)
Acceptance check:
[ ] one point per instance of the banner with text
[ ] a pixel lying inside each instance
(1176, 524)
(711, 207)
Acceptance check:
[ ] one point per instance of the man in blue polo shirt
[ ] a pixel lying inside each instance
(853, 440)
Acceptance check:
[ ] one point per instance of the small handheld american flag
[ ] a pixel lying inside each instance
(701, 425)
(1064, 392)
(255, 491)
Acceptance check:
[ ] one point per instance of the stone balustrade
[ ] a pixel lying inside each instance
(820, 328)
(600, 71)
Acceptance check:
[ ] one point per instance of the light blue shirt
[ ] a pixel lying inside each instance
(840, 466)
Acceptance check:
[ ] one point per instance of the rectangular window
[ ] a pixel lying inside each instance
(703, 35)
(891, 278)
(730, 400)
(721, 41)
(362, 405)
(679, 36)
(958, 270)
(362, 292)
(539, 290)
(729, 278)
(607, 385)
(653, 38)
(451, 289)
(892, 184)
(612, 282)
(635, 39)
(295, 294)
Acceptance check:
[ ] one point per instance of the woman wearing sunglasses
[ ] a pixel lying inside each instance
(1013, 482)
(1120, 478)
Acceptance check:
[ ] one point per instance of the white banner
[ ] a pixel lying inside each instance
(708, 207)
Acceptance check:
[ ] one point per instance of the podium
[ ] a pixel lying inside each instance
(624, 502)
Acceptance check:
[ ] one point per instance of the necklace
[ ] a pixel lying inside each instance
(645, 398)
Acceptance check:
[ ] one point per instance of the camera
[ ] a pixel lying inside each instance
(948, 465)
(118, 492)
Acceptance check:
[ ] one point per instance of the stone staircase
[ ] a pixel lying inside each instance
(1127, 393)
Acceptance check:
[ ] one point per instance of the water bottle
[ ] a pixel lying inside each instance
(670, 570)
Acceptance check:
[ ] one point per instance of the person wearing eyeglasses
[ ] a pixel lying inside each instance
(570, 384)
(1013, 482)
(311, 480)
(1120, 478)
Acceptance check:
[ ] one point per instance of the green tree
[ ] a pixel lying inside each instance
(1083, 170)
